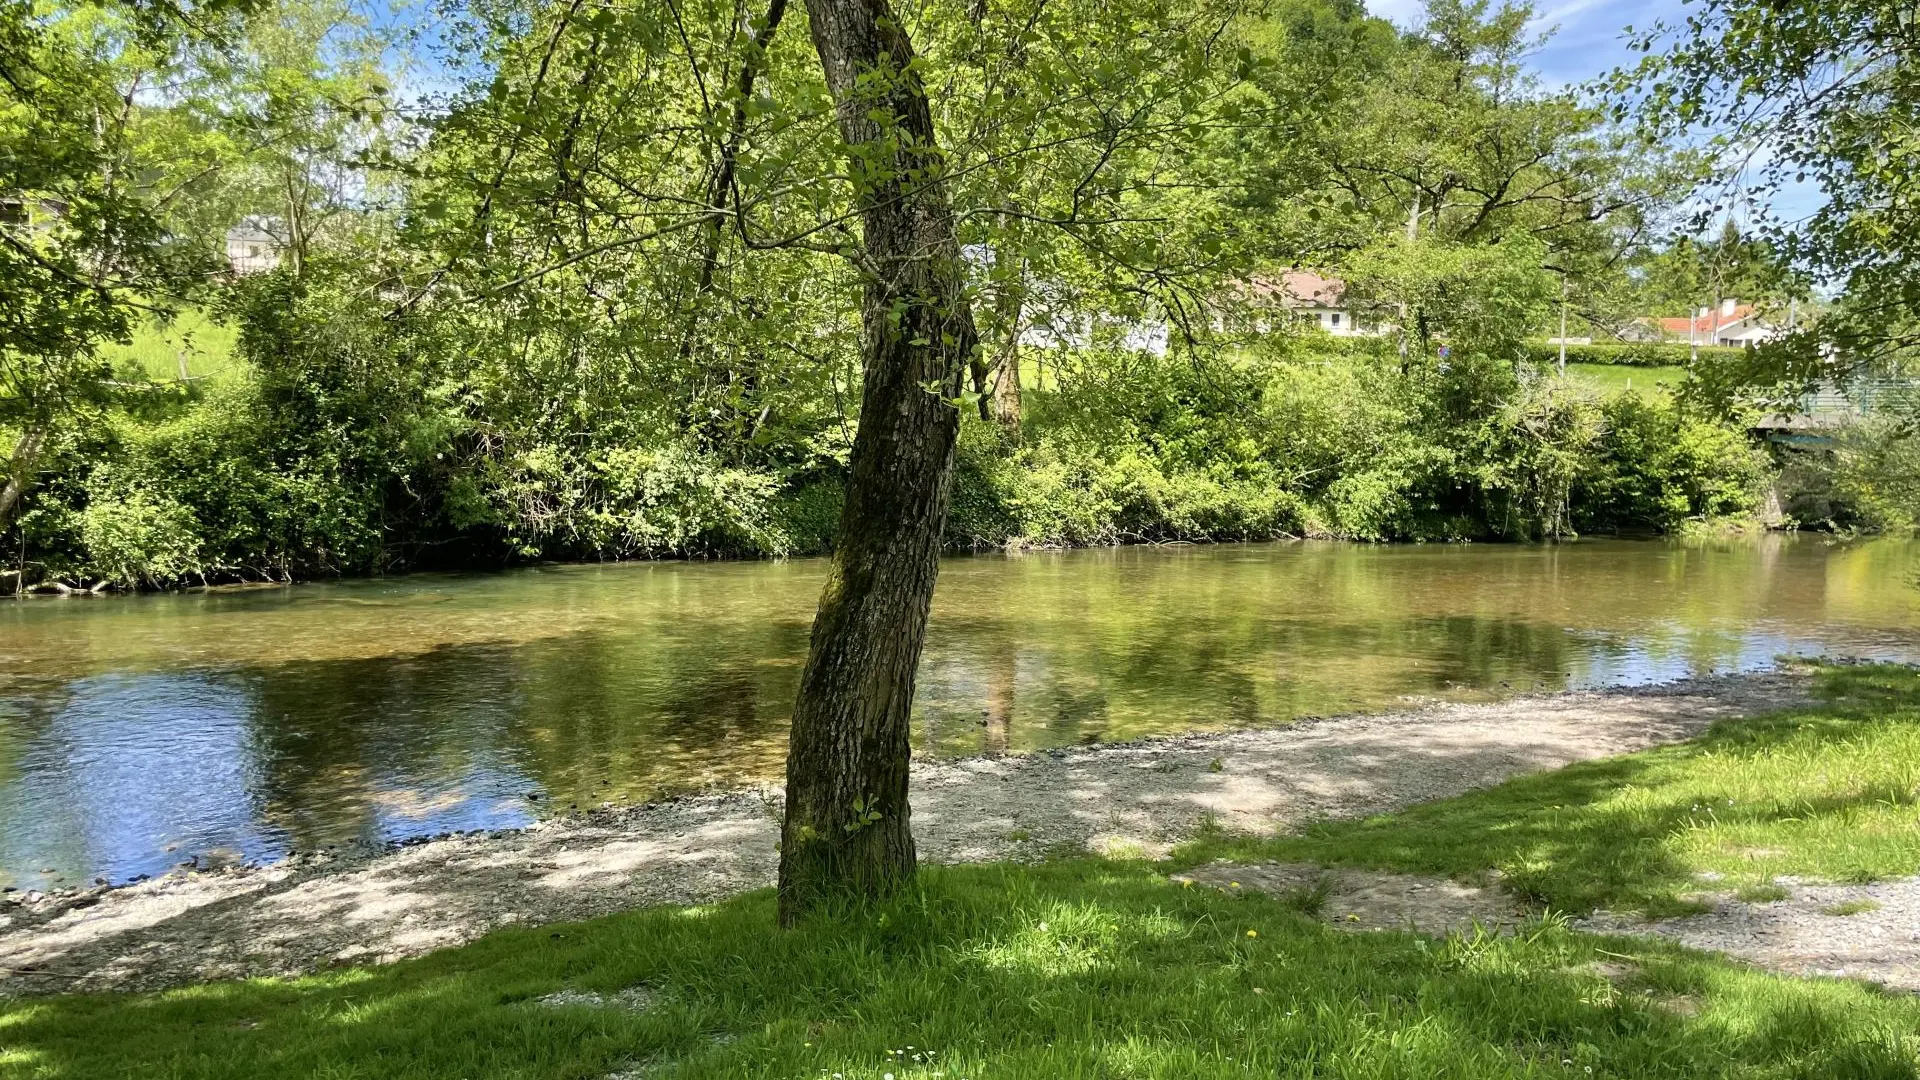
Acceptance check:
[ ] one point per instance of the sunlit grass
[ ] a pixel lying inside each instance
(1831, 793)
(1073, 969)
(191, 345)
(1619, 378)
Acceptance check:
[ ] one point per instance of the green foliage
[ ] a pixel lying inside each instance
(346, 442)
(83, 241)
(1660, 467)
(1694, 272)
(1073, 968)
(1284, 444)
(1631, 353)
(1831, 90)
(1826, 792)
(1875, 471)
(594, 309)
(1491, 295)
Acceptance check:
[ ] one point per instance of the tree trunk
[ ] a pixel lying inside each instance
(1006, 392)
(20, 468)
(1010, 308)
(847, 833)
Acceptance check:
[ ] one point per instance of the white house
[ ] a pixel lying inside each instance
(1310, 298)
(1732, 323)
(252, 245)
(1054, 322)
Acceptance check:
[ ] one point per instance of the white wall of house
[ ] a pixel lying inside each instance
(1336, 321)
(251, 246)
(251, 256)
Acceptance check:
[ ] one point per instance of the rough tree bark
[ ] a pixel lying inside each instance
(847, 832)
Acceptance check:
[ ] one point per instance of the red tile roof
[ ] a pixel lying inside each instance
(1713, 321)
(1299, 288)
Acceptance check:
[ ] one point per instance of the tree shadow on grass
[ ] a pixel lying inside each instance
(1077, 968)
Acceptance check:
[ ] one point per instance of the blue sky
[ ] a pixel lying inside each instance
(1590, 40)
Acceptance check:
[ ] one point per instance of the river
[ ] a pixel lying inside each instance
(137, 732)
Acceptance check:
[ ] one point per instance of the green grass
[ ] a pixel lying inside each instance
(1618, 378)
(1831, 792)
(158, 351)
(1084, 968)
(1072, 969)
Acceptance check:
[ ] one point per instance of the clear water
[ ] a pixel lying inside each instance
(136, 732)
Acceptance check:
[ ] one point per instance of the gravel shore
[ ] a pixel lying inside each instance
(325, 909)
(1869, 932)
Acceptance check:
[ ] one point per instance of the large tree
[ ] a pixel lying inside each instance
(663, 217)
(1455, 192)
(84, 244)
(847, 830)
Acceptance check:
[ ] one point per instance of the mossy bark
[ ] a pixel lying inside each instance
(847, 833)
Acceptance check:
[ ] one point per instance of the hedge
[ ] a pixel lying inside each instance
(1631, 353)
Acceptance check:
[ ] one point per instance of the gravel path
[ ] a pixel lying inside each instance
(1867, 932)
(313, 912)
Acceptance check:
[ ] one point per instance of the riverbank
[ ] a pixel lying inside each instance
(1188, 967)
(1138, 799)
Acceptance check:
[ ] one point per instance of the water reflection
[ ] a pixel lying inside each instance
(137, 732)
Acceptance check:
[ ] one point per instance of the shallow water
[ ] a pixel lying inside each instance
(136, 732)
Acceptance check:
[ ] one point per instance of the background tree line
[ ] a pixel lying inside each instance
(585, 280)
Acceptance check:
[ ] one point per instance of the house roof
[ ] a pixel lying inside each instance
(1299, 288)
(1711, 322)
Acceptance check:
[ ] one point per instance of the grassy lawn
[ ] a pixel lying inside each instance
(1085, 968)
(202, 345)
(1832, 792)
(1617, 378)
(1073, 969)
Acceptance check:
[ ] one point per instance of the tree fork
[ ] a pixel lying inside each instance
(847, 833)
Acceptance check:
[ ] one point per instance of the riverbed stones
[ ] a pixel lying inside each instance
(302, 915)
(634, 999)
(1869, 932)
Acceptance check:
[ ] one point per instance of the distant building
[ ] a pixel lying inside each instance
(30, 213)
(252, 246)
(1732, 323)
(1310, 298)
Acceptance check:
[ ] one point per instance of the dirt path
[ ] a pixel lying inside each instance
(1143, 797)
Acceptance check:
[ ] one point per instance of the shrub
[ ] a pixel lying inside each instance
(138, 539)
(1658, 467)
(1876, 476)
